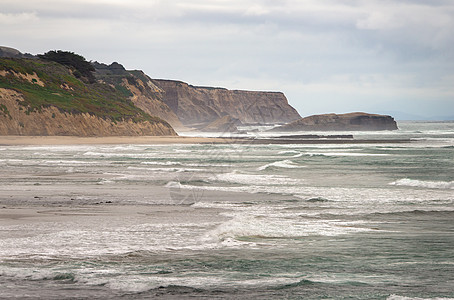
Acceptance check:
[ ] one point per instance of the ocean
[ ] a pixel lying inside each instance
(231, 221)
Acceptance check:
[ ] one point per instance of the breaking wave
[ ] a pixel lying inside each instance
(288, 164)
(424, 184)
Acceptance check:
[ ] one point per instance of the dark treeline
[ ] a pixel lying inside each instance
(83, 69)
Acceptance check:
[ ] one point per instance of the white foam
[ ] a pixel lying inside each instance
(344, 154)
(173, 163)
(288, 152)
(105, 181)
(71, 162)
(246, 225)
(288, 164)
(160, 163)
(424, 184)
(178, 170)
(254, 179)
(112, 155)
(397, 297)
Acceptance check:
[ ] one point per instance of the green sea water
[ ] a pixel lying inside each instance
(361, 221)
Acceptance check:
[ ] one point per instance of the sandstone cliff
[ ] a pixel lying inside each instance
(15, 120)
(139, 88)
(202, 105)
(39, 97)
(224, 124)
(344, 122)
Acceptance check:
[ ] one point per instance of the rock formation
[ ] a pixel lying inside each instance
(224, 124)
(201, 105)
(357, 121)
(39, 97)
(140, 90)
(111, 96)
(15, 120)
(14, 53)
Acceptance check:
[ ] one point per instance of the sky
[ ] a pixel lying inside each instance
(377, 56)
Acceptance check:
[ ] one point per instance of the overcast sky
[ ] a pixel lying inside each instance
(326, 56)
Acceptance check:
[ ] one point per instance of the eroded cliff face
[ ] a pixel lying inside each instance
(143, 92)
(15, 120)
(202, 105)
(343, 122)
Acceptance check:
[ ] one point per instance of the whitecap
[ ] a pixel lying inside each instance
(244, 225)
(424, 184)
(288, 164)
(344, 154)
(288, 152)
(112, 155)
(397, 297)
(254, 179)
(162, 163)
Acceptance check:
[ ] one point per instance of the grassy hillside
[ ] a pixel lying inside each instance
(56, 85)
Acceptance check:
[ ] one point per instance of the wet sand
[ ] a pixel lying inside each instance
(153, 140)
(75, 140)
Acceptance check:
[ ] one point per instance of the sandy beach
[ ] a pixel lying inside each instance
(13, 140)
(75, 140)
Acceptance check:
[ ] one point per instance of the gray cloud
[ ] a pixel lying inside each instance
(325, 55)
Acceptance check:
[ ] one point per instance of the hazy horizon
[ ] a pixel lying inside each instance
(392, 57)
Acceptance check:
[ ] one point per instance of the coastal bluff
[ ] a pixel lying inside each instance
(58, 94)
(357, 121)
(196, 105)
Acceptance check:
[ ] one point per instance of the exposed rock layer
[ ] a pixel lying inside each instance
(224, 124)
(14, 120)
(143, 93)
(202, 105)
(333, 122)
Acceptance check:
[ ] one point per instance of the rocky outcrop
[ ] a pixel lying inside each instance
(14, 53)
(15, 120)
(357, 121)
(201, 105)
(224, 124)
(140, 90)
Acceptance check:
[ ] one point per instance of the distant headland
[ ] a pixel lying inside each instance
(60, 93)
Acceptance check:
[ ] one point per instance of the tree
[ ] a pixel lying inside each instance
(82, 67)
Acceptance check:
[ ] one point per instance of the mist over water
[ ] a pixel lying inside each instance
(227, 221)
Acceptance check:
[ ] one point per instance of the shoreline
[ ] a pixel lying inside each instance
(13, 140)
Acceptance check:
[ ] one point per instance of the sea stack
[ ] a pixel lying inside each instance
(357, 121)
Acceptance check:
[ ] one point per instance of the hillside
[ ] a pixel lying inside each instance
(196, 106)
(42, 97)
(139, 88)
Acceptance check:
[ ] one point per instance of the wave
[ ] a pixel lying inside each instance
(254, 179)
(296, 153)
(178, 170)
(288, 164)
(424, 184)
(344, 154)
(317, 199)
(415, 212)
(174, 163)
(119, 155)
(397, 297)
(247, 226)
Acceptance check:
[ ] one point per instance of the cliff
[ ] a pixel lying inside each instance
(15, 120)
(224, 124)
(201, 105)
(139, 88)
(41, 97)
(344, 122)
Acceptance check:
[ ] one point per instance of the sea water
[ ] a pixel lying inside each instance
(346, 221)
